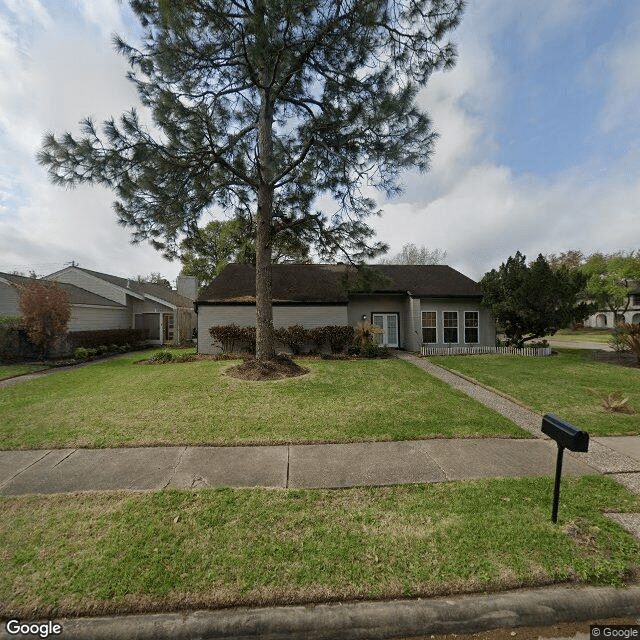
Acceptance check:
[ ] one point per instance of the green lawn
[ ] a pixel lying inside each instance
(108, 552)
(582, 335)
(121, 403)
(570, 384)
(11, 370)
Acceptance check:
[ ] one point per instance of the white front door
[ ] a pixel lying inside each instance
(388, 322)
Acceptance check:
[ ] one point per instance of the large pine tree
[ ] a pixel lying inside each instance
(260, 106)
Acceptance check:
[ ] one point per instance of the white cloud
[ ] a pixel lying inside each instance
(28, 11)
(105, 14)
(58, 76)
(622, 99)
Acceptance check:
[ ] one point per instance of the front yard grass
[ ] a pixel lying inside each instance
(121, 403)
(569, 384)
(582, 335)
(113, 552)
(12, 370)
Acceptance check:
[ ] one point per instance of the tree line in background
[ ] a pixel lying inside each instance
(610, 276)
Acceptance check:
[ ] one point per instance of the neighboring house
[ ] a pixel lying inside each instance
(88, 310)
(421, 304)
(165, 315)
(604, 319)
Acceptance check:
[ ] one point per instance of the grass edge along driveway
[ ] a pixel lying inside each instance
(101, 553)
(570, 384)
(121, 403)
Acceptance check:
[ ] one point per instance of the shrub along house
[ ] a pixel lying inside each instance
(414, 305)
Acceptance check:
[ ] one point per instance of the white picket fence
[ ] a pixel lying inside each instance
(457, 351)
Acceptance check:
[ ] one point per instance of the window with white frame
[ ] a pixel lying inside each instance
(471, 327)
(450, 326)
(429, 328)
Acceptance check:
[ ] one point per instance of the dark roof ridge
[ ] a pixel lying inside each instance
(317, 283)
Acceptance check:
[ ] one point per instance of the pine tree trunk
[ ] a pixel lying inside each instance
(264, 308)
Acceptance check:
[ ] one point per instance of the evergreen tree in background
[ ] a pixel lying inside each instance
(533, 301)
(258, 107)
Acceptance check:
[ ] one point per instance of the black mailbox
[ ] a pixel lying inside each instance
(567, 437)
(565, 434)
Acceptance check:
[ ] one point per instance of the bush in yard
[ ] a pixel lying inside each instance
(616, 343)
(81, 353)
(629, 336)
(45, 312)
(228, 335)
(364, 333)
(370, 349)
(338, 337)
(231, 335)
(162, 356)
(93, 339)
(295, 337)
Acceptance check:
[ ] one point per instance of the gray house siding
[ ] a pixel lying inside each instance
(91, 283)
(309, 316)
(486, 328)
(366, 306)
(8, 300)
(87, 318)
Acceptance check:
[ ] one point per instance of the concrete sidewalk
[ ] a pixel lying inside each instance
(307, 466)
(295, 466)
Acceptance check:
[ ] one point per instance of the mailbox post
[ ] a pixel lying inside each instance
(566, 436)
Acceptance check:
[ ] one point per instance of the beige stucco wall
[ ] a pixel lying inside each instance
(283, 316)
(632, 315)
(8, 300)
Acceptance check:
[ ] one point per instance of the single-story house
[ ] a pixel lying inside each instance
(88, 310)
(165, 315)
(604, 319)
(414, 304)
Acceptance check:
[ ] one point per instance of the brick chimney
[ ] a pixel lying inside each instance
(187, 286)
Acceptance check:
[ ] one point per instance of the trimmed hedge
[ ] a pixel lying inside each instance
(233, 337)
(15, 345)
(99, 338)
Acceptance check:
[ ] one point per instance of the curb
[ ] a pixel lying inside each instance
(462, 614)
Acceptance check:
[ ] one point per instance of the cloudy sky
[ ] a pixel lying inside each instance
(539, 136)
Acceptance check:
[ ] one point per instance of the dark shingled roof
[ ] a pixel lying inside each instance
(306, 283)
(76, 294)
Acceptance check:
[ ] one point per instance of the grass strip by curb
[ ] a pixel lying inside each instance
(101, 553)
